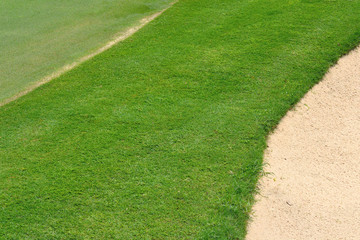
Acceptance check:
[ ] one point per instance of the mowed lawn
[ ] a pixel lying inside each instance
(39, 36)
(162, 136)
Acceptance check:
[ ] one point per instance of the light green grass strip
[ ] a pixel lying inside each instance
(120, 37)
(39, 37)
(162, 136)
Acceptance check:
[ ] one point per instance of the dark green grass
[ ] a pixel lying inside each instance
(162, 136)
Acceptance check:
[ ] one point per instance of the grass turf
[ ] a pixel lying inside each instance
(162, 136)
(40, 36)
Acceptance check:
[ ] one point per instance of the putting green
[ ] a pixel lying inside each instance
(38, 37)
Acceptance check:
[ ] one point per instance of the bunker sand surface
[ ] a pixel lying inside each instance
(118, 38)
(313, 189)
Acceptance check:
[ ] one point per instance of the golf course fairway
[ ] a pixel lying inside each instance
(162, 136)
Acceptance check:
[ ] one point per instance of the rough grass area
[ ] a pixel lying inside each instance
(162, 136)
(39, 36)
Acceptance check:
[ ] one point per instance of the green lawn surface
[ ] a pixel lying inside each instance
(37, 37)
(162, 136)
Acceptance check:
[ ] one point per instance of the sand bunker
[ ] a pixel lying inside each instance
(314, 155)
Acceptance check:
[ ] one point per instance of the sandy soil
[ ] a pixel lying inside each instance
(314, 157)
(118, 38)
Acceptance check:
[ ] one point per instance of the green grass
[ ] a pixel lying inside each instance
(39, 36)
(162, 136)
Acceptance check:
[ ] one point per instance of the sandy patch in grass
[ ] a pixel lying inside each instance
(119, 38)
(314, 157)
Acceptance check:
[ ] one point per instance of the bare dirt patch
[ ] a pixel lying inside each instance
(314, 157)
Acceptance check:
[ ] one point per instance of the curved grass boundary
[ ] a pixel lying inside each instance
(162, 136)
